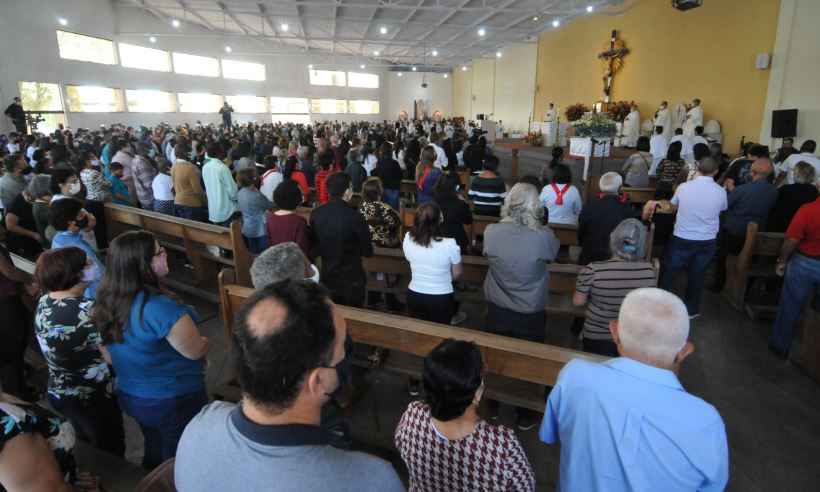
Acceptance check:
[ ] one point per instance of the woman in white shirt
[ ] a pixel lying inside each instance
(561, 198)
(435, 261)
(163, 188)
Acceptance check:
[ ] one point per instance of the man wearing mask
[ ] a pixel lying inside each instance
(18, 117)
(289, 343)
(70, 219)
(13, 181)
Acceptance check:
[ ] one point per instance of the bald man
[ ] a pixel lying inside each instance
(627, 424)
(750, 202)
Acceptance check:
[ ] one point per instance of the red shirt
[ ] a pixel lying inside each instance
(321, 189)
(301, 180)
(805, 228)
(289, 228)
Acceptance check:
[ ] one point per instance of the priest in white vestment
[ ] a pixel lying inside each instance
(658, 145)
(551, 118)
(632, 127)
(694, 118)
(663, 117)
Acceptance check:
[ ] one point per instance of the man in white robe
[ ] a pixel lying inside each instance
(694, 118)
(551, 118)
(663, 117)
(632, 127)
(658, 145)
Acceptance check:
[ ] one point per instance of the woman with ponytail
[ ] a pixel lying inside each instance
(444, 443)
(153, 341)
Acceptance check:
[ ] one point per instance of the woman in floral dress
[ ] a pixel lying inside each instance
(79, 383)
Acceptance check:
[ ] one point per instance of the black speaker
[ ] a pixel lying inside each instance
(480, 117)
(784, 123)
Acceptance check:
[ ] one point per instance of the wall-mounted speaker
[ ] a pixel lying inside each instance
(784, 123)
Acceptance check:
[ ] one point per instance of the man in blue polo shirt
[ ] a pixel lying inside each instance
(627, 424)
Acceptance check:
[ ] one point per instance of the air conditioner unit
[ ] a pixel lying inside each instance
(686, 4)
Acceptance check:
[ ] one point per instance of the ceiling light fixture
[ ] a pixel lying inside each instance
(556, 23)
(228, 49)
(63, 21)
(175, 23)
(464, 68)
(590, 8)
(383, 30)
(413, 69)
(285, 27)
(362, 66)
(498, 54)
(310, 66)
(399, 74)
(435, 52)
(482, 31)
(535, 18)
(152, 39)
(445, 75)
(375, 53)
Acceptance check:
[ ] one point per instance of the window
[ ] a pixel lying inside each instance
(191, 102)
(299, 119)
(248, 104)
(142, 101)
(133, 56)
(364, 107)
(40, 96)
(85, 48)
(232, 69)
(195, 65)
(328, 106)
(365, 80)
(88, 99)
(289, 105)
(327, 77)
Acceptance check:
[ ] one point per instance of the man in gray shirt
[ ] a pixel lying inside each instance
(288, 341)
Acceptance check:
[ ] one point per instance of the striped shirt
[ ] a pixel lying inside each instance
(606, 283)
(487, 195)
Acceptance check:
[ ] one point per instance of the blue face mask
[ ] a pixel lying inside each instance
(90, 273)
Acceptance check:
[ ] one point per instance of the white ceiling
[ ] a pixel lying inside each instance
(414, 28)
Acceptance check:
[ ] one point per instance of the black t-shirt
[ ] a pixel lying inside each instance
(390, 173)
(789, 199)
(19, 244)
(457, 214)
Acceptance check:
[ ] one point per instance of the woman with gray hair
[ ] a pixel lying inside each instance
(791, 197)
(603, 285)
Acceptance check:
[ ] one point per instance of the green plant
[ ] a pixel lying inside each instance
(576, 111)
(596, 125)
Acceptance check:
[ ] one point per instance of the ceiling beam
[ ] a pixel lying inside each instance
(333, 26)
(407, 21)
(475, 24)
(263, 11)
(199, 16)
(302, 26)
(450, 15)
(233, 17)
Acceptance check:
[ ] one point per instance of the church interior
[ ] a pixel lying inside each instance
(700, 111)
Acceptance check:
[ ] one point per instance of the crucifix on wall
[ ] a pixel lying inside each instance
(612, 60)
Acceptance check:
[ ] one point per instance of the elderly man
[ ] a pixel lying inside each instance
(698, 204)
(600, 217)
(627, 424)
(799, 260)
(747, 203)
(284, 261)
(288, 343)
(786, 169)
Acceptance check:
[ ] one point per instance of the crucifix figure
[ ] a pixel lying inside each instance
(613, 61)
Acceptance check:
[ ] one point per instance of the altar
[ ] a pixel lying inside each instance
(583, 148)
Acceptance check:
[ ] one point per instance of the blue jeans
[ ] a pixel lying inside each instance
(801, 279)
(694, 257)
(391, 197)
(191, 213)
(256, 245)
(162, 421)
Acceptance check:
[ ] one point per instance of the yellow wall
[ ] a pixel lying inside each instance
(462, 91)
(708, 52)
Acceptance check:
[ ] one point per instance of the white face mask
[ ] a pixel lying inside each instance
(95, 163)
(315, 277)
(74, 188)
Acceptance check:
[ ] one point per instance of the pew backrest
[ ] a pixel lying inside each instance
(518, 359)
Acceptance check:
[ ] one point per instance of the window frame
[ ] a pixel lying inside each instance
(114, 50)
(169, 64)
(176, 72)
(378, 80)
(316, 71)
(172, 99)
(119, 94)
(224, 76)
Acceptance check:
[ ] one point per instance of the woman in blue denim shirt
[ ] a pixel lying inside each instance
(156, 349)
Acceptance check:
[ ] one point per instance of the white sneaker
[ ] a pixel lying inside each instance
(458, 318)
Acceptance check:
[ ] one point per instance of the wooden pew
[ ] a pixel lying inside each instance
(755, 261)
(191, 238)
(516, 368)
(392, 261)
(639, 196)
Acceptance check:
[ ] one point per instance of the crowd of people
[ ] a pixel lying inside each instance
(116, 340)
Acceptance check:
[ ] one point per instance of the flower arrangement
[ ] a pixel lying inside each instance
(619, 110)
(595, 125)
(576, 111)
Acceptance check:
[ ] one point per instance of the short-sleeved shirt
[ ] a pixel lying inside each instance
(636, 168)
(431, 266)
(699, 203)
(606, 283)
(805, 228)
(221, 449)
(146, 364)
(487, 195)
(20, 418)
(518, 277)
(67, 239)
(456, 214)
(253, 206)
(626, 426)
(71, 346)
(568, 210)
(490, 458)
(163, 188)
(289, 228)
(386, 234)
(749, 203)
(668, 172)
